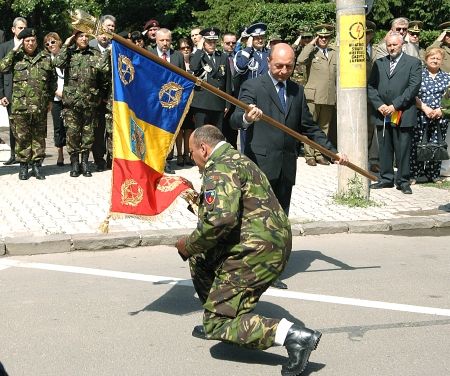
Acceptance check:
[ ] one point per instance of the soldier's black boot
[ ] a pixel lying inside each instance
(85, 164)
(75, 163)
(36, 170)
(23, 171)
(299, 343)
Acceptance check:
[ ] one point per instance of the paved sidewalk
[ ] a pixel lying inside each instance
(64, 213)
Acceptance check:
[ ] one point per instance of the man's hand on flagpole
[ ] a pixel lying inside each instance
(343, 159)
(181, 247)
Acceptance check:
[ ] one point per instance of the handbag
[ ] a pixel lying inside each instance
(432, 151)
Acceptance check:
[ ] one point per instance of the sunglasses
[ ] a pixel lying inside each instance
(414, 34)
(401, 28)
(50, 43)
(229, 43)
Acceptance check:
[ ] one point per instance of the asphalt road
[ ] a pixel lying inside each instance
(382, 302)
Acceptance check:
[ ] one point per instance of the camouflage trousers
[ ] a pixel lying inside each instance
(79, 129)
(109, 133)
(229, 303)
(30, 130)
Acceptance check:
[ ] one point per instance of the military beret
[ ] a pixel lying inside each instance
(26, 33)
(151, 23)
(256, 29)
(324, 30)
(210, 33)
(370, 26)
(445, 26)
(415, 26)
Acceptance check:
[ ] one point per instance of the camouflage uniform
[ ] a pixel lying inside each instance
(241, 245)
(83, 82)
(34, 82)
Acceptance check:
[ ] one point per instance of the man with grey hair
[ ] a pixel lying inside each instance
(392, 88)
(6, 81)
(398, 25)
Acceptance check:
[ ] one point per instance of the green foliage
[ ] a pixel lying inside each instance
(354, 196)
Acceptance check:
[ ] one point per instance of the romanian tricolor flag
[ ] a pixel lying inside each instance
(149, 105)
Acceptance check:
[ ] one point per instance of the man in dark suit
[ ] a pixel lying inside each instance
(163, 42)
(213, 67)
(6, 82)
(275, 95)
(392, 88)
(2, 36)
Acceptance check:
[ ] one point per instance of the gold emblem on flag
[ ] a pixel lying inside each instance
(126, 69)
(170, 94)
(131, 193)
(168, 183)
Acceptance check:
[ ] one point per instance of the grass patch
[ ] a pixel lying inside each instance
(444, 185)
(355, 196)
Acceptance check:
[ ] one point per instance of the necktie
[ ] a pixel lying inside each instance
(164, 56)
(211, 58)
(281, 92)
(391, 67)
(325, 53)
(231, 61)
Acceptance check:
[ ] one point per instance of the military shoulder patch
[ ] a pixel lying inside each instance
(210, 196)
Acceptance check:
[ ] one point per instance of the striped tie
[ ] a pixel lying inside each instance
(391, 67)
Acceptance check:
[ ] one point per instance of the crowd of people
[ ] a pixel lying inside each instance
(78, 89)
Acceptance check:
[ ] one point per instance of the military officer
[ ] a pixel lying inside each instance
(212, 66)
(241, 244)
(319, 57)
(398, 25)
(34, 81)
(85, 69)
(443, 41)
(150, 29)
(300, 74)
(412, 48)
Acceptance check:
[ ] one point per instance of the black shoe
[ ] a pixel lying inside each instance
(23, 171)
(36, 171)
(168, 169)
(100, 165)
(85, 164)
(279, 284)
(299, 342)
(75, 163)
(10, 161)
(381, 185)
(405, 188)
(199, 332)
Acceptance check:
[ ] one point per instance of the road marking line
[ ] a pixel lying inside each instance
(6, 263)
(3, 267)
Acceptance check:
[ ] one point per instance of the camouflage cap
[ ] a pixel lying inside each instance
(274, 37)
(26, 33)
(324, 30)
(445, 26)
(415, 26)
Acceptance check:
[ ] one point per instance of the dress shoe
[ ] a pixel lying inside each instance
(100, 165)
(188, 160)
(168, 169)
(380, 185)
(322, 161)
(375, 168)
(199, 332)
(311, 162)
(299, 343)
(60, 164)
(279, 284)
(405, 188)
(180, 161)
(10, 161)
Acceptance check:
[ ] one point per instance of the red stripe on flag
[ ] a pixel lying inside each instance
(140, 190)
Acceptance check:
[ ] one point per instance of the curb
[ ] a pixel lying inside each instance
(59, 243)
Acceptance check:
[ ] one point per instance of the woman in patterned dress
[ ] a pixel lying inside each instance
(434, 84)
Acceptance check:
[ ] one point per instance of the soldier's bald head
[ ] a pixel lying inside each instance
(207, 134)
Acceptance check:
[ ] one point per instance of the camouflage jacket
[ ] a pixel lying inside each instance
(84, 76)
(34, 80)
(239, 214)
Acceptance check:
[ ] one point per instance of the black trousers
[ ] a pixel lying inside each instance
(394, 141)
(12, 139)
(282, 187)
(99, 145)
(202, 117)
(59, 131)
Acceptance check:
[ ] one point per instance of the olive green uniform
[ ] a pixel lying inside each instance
(34, 83)
(241, 245)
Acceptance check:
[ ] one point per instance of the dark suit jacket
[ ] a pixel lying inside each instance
(2, 36)
(176, 58)
(400, 89)
(219, 76)
(6, 78)
(270, 148)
